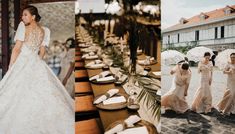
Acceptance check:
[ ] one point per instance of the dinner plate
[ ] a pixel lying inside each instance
(103, 82)
(115, 106)
(150, 127)
(96, 67)
(152, 62)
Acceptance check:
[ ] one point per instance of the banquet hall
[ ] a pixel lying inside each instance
(117, 66)
(115, 69)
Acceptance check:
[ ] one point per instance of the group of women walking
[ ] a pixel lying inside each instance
(202, 103)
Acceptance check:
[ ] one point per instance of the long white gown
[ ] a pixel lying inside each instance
(227, 104)
(175, 99)
(32, 99)
(202, 102)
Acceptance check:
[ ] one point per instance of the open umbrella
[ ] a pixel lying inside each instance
(196, 54)
(223, 58)
(171, 57)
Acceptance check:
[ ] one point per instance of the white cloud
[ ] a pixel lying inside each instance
(173, 10)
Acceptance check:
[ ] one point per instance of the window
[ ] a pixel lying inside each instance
(222, 32)
(178, 37)
(168, 39)
(216, 32)
(197, 35)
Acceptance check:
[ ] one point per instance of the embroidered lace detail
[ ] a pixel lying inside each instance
(34, 38)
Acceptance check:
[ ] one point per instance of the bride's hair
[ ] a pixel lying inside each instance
(33, 11)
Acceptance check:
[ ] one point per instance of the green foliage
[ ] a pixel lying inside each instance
(182, 49)
(149, 97)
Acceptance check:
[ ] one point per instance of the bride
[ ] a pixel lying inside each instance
(32, 99)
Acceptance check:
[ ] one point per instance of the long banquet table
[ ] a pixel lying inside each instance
(107, 116)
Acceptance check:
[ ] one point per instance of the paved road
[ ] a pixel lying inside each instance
(193, 123)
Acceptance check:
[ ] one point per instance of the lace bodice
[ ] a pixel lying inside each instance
(205, 69)
(181, 79)
(33, 38)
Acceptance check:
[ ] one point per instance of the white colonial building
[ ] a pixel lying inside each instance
(214, 29)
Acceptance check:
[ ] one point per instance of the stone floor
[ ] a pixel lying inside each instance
(193, 123)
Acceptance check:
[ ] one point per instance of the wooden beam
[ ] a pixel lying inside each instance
(5, 36)
(17, 13)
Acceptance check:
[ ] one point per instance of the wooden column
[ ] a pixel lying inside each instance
(5, 36)
(17, 13)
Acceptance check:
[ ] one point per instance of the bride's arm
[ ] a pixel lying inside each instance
(42, 52)
(15, 52)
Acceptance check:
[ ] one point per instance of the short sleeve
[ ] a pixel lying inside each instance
(46, 39)
(20, 32)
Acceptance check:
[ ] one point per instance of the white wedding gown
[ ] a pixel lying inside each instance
(32, 99)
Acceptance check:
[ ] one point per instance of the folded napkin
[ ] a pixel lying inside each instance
(120, 127)
(90, 63)
(97, 65)
(159, 92)
(102, 74)
(144, 72)
(98, 61)
(114, 100)
(157, 73)
(146, 61)
(137, 130)
(139, 51)
(83, 45)
(89, 54)
(91, 57)
(109, 94)
(152, 58)
(143, 62)
(105, 79)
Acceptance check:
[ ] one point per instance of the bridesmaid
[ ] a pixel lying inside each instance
(228, 101)
(203, 99)
(175, 98)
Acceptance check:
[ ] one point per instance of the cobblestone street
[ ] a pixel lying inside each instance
(193, 123)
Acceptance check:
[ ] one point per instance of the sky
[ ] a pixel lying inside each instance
(173, 10)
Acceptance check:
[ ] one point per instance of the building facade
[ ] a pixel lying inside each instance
(215, 29)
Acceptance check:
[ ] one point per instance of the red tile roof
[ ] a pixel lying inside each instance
(212, 15)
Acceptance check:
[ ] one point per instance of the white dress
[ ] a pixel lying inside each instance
(32, 99)
(227, 104)
(175, 99)
(203, 99)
